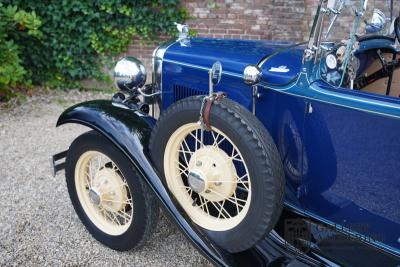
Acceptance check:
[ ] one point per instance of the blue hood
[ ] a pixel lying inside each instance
(282, 66)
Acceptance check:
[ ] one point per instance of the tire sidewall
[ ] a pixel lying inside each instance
(258, 186)
(134, 233)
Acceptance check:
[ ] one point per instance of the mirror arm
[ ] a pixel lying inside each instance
(391, 11)
(210, 82)
(337, 13)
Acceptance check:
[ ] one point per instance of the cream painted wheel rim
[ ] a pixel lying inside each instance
(103, 193)
(210, 180)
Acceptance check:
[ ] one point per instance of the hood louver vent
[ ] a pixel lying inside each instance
(181, 92)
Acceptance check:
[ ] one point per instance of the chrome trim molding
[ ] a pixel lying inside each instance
(158, 58)
(356, 98)
(202, 68)
(335, 104)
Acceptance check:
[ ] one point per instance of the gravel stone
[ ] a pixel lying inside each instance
(38, 224)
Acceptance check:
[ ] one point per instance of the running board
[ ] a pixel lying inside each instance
(56, 167)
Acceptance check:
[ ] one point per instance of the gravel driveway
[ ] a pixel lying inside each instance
(38, 225)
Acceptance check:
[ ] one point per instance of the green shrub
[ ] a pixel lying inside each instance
(78, 36)
(14, 24)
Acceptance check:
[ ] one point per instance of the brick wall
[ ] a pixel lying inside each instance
(268, 19)
(241, 19)
(249, 19)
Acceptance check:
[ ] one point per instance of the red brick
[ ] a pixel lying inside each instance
(242, 19)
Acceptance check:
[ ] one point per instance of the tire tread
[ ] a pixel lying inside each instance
(258, 138)
(134, 239)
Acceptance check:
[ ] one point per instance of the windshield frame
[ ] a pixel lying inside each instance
(315, 49)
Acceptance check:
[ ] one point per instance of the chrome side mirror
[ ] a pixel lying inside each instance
(129, 74)
(251, 75)
(215, 74)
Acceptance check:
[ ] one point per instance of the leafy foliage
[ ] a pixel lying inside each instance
(79, 35)
(14, 24)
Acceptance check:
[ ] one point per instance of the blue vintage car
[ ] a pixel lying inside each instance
(264, 153)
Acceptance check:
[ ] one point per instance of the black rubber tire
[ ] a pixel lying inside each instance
(259, 152)
(144, 204)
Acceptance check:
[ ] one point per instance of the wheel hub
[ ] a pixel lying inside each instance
(197, 181)
(95, 196)
(205, 180)
(212, 173)
(108, 190)
(103, 193)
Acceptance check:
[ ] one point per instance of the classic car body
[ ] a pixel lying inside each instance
(339, 147)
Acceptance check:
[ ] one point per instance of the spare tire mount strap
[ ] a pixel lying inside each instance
(205, 110)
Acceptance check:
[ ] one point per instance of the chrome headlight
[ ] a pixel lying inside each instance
(129, 74)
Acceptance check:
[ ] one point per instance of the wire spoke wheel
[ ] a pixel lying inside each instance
(208, 176)
(228, 180)
(103, 192)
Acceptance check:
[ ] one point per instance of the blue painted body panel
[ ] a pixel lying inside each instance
(341, 161)
(235, 55)
(352, 177)
(290, 59)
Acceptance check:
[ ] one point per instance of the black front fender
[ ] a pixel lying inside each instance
(129, 131)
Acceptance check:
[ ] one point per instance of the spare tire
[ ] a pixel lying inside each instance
(232, 184)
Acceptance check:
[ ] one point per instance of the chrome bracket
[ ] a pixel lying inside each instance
(56, 167)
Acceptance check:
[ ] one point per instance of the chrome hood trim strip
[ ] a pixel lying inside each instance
(158, 57)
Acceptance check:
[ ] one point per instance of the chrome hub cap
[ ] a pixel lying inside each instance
(196, 181)
(94, 196)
